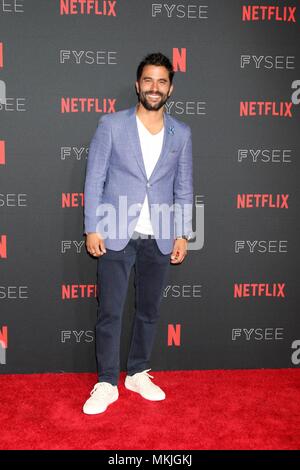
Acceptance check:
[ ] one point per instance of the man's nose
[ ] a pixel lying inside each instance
(154, 86)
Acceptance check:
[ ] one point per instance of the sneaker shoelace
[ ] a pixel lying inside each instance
(100, 387)
(144, 377)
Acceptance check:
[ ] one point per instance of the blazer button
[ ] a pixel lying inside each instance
(148, 185)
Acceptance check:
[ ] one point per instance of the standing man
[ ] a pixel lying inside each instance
(138, 213)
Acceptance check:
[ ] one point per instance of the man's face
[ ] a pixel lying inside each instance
(154, 87)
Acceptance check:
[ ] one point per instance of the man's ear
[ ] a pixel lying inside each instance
(137, 86)
(171, 90)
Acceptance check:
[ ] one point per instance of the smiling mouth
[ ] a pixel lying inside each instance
(153, 97)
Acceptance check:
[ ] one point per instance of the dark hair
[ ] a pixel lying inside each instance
(156, 58)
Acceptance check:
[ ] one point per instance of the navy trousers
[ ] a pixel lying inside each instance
(151, 273)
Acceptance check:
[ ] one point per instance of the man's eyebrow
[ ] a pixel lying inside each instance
(161, 79)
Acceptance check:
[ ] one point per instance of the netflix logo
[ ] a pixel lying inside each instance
(87, 105)
(266, 108)
(3, 344)
(269, 13)
(259, 290)
(179, 59)
(3, 246)
(88, 7)
(78, 291)
(1, 54)
(2, 152)
(272, 201)
(72, 200)
(174, 335)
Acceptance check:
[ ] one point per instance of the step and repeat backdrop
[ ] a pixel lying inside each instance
(234, 302)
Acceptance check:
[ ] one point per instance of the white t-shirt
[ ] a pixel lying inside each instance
(151, 145)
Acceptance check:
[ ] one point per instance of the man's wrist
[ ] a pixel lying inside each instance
(184, 237)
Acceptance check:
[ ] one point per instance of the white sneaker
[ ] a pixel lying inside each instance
(102, 395)
(141, 383)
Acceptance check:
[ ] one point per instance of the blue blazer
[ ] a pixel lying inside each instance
(116, 180)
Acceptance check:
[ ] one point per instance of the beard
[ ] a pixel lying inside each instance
(156, 106)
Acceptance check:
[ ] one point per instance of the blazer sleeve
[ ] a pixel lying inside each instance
(97, 165)
(183, 189)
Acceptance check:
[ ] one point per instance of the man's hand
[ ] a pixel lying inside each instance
(95, 244)
(179, 251)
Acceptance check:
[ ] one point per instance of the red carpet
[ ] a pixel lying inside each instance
(240, 409)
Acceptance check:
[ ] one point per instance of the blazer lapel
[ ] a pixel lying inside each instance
(134, 140)
(167, 141)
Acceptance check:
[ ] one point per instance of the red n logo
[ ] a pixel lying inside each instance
(3, 337)
(1, 54)
(3, 250)
(174, 335)
(179, 59)
(2, 152)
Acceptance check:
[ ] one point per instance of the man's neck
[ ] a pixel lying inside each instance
(150, 117)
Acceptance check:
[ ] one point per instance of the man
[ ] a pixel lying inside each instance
(139, 168)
